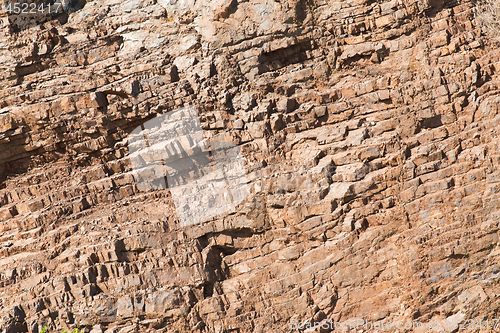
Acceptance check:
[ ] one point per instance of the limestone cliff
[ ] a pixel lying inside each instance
(369, 131)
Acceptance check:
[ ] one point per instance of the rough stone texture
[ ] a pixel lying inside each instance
(370, 132)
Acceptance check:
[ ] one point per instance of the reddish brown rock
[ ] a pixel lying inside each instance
(369, 134)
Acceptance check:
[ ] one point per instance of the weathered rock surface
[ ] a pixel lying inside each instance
(370, 134)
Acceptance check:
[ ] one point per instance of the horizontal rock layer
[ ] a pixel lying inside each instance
(369, 132)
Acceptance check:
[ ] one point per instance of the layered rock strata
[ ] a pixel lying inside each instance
(369, 131)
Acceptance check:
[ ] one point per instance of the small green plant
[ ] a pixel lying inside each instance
(45, 330)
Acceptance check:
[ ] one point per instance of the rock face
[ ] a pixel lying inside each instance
(370, 137)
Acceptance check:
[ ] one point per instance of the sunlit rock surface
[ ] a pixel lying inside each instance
(370, 135)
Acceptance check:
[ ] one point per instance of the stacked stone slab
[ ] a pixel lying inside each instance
(370, 136)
